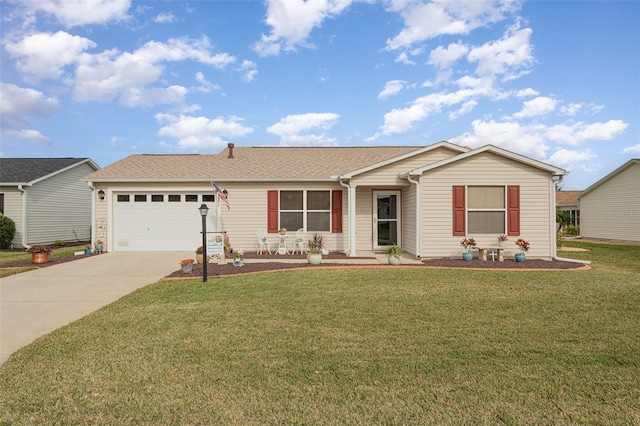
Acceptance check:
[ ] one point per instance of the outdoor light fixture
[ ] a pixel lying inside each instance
(101, 194)
(226, 193)
(204, 210)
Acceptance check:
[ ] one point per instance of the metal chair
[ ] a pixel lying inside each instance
(300, 244)
(263, 242)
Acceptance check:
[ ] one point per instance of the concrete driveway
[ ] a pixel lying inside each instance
(37, 302)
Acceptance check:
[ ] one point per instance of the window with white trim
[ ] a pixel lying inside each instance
(486, 210)
(306, 209)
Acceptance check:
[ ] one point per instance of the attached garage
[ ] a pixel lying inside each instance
(159, 221)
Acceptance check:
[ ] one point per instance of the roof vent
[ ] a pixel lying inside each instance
(230, 146)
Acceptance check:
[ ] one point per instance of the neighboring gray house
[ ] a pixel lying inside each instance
(610, 208)
(47, 198)
(363, 199)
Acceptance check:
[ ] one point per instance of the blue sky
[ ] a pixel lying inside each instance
(556, 81)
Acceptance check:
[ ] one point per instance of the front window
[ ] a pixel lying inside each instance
(305, 209)
(486, 210)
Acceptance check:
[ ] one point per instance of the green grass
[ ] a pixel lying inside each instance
(359, 346)
(22, 256)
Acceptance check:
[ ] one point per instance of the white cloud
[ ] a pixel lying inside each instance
(195, 133)
(44, 54)
(634, 149)
(292, 21)
(18, 104)
(135, 96)
(424, 21)
(250, 70)
(526, 93)
(104, 76)
(541, 105)
(570, 158)
(505, 56)
(392, 88)
(205, 86)
(510, 135)
(164, 18)
(443, 57)
(294, 129)
(73, 13)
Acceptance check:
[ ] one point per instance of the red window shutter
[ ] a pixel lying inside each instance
(459, 211)
(336, 211)
(272, 211)
(513, 210)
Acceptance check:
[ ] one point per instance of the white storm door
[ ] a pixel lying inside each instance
(386, 219)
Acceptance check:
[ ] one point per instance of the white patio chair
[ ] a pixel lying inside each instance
(263, 241)
(300, 244)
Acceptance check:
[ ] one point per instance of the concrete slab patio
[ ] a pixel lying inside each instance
(38, 302)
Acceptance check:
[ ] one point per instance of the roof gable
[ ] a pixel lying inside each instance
(610, 176)
(494, 150)
(567, 198)
(31, 170)
(442, 144)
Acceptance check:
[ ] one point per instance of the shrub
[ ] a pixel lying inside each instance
(572, 230)
(59, 243)
(7, 231)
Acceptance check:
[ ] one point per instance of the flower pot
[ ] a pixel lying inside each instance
(520, 257)
(238, 262)
(98, 248)
(468, 256)
(314, 258)
(87, 251)
(187, 268)
(39, 258)
(394, 260)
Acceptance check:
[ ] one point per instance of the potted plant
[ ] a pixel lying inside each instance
(98, 246)
(468, 244)
(524, 246)
(394, 254)
(39, 253)
(314, 249)
(87, 249)
(238, 260)
(501, 239)
(186, 265)
(199, 257)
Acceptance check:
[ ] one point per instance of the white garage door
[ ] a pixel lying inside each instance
(160, 221)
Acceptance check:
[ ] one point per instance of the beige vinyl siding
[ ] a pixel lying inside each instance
(364, 219)
(59, 207)
(408, 200)
(13, 210)
(388, 175)
(612, 210)
(485, 169)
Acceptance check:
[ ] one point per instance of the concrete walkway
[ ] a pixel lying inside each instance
(37, 302)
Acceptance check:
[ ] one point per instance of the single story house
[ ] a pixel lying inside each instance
(47, 198)
(362, 199)
(610, 208)
(568, 201)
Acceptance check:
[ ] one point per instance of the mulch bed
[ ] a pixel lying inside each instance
(276, 264)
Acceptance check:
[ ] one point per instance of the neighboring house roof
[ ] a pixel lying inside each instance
(20, 171)
(609, 176)
(567, 198)
(492, 149)
(251, 163)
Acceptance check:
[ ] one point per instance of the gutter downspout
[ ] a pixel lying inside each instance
(351, 205)
(23, 231)
(93, 212)
(417, 184)
(554, 244)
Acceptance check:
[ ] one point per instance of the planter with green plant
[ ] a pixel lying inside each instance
(314, 249)
(394, 254)
(238, 259)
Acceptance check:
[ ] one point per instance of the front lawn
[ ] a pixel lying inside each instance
(350, 346)
(11, 256)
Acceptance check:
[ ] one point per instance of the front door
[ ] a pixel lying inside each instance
(386, 219)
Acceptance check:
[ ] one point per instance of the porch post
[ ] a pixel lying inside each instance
(352, 220)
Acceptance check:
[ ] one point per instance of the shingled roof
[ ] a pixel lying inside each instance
(250, 163)
(567, 198)
(27, 170)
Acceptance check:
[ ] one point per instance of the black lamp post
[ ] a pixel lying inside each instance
(204, 210)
